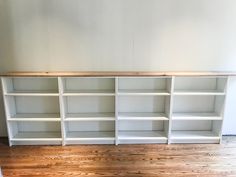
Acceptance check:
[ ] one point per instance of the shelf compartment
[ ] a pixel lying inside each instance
(142, 92)
(37, 136)
(196, 116)
(33, 107)
(200, 85)
(142, 116)
(194, 137)
(91, 137)
(21, 86)
(137, 137)
(196, 131)
(89, 106)
(142, 131)
(80, 86)
(90, 117)
(144, 86)
(148, 106)
(90, 132)
(206, 106)
(35, 133)
(89, 93)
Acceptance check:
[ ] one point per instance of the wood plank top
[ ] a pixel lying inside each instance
(113, 73)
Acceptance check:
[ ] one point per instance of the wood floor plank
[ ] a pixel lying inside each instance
(174, 160)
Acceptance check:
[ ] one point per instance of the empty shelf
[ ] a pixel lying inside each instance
(139, 135)
(199, 92)
(89, 93)
(196, 116)
(142, 92)
(142, 116)
(90, 117)
(90, 135)
(33, 93)
(193, 134)
(194, 137)
(37, 136)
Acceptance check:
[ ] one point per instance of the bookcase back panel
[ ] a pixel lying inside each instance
(194, 104)
(192, 125)
(39, 126)
(37, 104)
(143, 83)
(43, 84)
(89, 83)
(141, 125)
(90, 104)
(141, 103)
(90, 126)
(195, 83)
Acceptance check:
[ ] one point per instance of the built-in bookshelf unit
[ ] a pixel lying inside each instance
(114, 108)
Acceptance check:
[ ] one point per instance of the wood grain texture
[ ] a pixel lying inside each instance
(123, 160)
(112, 73)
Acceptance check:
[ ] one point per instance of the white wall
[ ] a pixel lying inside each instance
(229, 127)
(117, 35)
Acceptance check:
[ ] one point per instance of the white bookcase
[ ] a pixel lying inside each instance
(32, 110)
(88, 105)
(114, 110)
(143, 109)
(198, 109)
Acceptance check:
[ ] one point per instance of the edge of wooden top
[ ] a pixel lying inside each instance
(113, 73)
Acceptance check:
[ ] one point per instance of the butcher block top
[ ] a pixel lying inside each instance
(112, 73)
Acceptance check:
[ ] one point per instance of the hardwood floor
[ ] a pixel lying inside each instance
(123, 160)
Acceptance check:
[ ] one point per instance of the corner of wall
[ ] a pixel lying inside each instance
(3, 129)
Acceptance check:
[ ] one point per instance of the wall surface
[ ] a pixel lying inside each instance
(148, 35)
(229, 127)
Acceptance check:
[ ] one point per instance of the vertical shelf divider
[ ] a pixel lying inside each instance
(222, 113)
(62, 110)
(172, 86)
(7, 110)
(116, 111)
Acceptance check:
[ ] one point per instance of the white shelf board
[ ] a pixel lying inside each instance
(142, 116)
(90, 117)
(142, 135)
(142, 92)
(199, 92)
(89, 93)
(194, 135)
(37, 136)
(196, 116)
(35, 117)
(90, 135)
(33, 93)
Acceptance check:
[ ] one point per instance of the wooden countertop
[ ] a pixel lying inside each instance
(113, 73)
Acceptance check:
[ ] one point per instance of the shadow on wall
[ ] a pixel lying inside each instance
(7, 53)
(3, 129)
